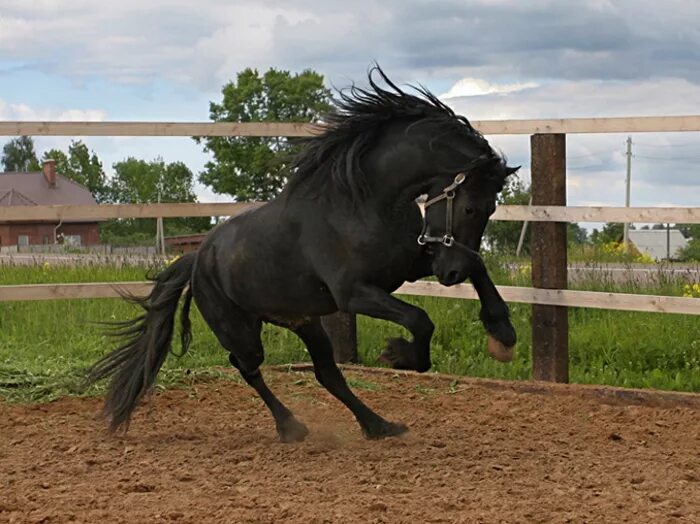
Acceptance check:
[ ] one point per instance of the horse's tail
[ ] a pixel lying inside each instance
(134, 365)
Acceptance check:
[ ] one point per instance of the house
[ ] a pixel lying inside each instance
(45, 188)
(659, 244)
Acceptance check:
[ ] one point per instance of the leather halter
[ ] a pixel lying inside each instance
(448, 194)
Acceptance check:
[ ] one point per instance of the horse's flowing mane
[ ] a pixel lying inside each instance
(331, 161)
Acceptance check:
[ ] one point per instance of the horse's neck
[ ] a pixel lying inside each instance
(400, 196)
(397, 192)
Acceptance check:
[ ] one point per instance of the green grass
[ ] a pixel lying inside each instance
(44, 346)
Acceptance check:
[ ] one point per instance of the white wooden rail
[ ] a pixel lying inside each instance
(551, 297)
(105, 211)
(678, 215)
(563, 297)
(487, 127)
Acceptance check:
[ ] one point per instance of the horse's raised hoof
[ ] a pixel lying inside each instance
(402, 354)
(499, 351)
(384, 429)
(291, 430)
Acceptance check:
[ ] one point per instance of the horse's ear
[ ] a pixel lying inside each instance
(511, 170)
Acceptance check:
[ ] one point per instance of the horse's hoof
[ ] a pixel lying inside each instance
(291, 430)
(384, 430)
(499, 351)
(402, 354)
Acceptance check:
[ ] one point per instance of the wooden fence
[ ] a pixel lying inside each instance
(548, 296)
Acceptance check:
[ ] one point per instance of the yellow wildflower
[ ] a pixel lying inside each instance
(691, 291)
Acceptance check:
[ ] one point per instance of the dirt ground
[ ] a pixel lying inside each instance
(209, 453)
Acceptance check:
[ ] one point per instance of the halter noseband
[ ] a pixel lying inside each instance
(448, 194)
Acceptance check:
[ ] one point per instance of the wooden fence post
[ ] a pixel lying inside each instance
(342, 330)
(550, 324)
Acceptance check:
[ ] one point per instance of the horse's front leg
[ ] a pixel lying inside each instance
(400, 353)
(495, 315)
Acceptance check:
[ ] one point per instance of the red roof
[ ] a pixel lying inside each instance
(32, 189)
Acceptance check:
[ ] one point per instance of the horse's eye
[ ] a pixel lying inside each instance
(469, 211)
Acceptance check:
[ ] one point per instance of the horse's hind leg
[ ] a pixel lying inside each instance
(239, 333)
(289, 428)
(327, 373)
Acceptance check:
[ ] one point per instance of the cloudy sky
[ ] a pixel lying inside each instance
(489, 59)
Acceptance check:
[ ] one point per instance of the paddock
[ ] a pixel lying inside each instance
(477, 451)
(548, 212)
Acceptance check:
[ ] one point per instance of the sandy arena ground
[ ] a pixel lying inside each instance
(475, 453)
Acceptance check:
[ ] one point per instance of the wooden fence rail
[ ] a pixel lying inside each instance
(523, 295)
(487, 127)
(677, 215)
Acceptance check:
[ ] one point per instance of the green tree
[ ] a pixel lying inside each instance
(611, 232)
(83, 167)
(503, 235)
(689, 230)
(691, 252)
(142, 182)
(254, 168)
(18, 155)
(576, 235)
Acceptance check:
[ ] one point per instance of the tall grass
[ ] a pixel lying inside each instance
(44, 346)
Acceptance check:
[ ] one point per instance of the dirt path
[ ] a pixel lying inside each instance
(474, 454)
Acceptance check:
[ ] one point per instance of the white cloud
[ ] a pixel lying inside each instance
(25, 112)
(244, 38)
(478, 86)
(202, 43)
(592, 98)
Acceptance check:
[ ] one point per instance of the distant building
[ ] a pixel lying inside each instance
(184, 243)
(659, 244)
(45, 187)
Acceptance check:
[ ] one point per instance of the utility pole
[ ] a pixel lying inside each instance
(160, 231)
(521, 240)
(626, 234)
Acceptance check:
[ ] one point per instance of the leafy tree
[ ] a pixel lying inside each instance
(83, 167)
(501, 235)
(19, 155)
(254, 168)
(611, 232)
(575, 234)
(689, 230)
(141, 182)
(504, 235)
(691, 252)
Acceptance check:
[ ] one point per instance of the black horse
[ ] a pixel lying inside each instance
(345, 232)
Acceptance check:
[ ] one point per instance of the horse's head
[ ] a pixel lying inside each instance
(456, 213)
